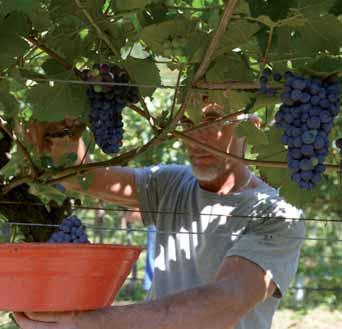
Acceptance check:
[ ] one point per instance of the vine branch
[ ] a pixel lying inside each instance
(225, 20)
(50, 52)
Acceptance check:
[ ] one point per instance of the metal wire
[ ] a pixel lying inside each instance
(99, 83)
(168, 212)
(267, 237)
(320, 289)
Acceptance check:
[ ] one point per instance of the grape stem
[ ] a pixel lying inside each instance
(267, 50)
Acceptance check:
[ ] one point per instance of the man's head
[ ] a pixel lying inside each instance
(206, 166)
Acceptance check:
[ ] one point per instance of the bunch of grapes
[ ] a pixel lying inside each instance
(106, 103)
(307, 113)
(71, 231)
(265, 79)
(174, 46)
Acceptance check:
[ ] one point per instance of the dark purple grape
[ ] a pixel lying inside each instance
(338, 143)
(306, 115)
(107, 103)
(70, 231)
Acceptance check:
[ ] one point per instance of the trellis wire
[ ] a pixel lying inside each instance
(142, 230)
(318, 289)
(100, 83)
(168, 212)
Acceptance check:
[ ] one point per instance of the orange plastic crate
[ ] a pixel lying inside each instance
(62, 277)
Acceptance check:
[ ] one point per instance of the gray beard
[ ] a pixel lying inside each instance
(210, 173)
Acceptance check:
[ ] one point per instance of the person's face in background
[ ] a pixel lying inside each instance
(207, 167)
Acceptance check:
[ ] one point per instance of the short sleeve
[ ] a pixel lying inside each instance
(147, 188)
(155, 183)
(274, 244)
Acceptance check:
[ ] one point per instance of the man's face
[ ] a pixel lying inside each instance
(206, 166)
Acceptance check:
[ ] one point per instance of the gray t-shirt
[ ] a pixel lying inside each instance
(196, 229)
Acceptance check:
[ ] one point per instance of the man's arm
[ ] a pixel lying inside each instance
(114, 184)
(239, 286)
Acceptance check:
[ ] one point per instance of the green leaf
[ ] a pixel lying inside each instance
(242, 8)
(321, 33)
(9, 105)
(296, 196)
(312, 7)
(254, 135)
(155, 35)
(266, 20)
(274, 151)
(231, 100)
(264, 101)
(54, 103)
(49, 192)
(132, 4)
(229, 67)
(17, 23)
(26, 6)
(275, 9)
(325, 66)
(195, 53)
(143, 71)
(85, 181)
(238, 34)
(66, 40)
(11, 41)
(67, 159)
(13, 167)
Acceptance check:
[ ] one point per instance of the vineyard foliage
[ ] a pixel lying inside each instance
(162, 44)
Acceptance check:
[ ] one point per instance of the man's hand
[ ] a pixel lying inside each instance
(46, 320)
(62, 320)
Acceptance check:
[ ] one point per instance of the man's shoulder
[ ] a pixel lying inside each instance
(270, 200)
(171, 170)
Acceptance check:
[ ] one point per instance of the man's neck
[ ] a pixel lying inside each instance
(234, 180)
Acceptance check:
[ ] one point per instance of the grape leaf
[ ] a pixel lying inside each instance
(296, 196)
(27, 6)
(17, 23)
(229, 67)
(312, 7)
(238, 33)
(317, 35)
(66, 40)
(143, 71)
(131, 4)
(47, 192)
(155, 35)
(9, 105)
(10, 40)
(274, 151)
(275, 9)
(53, 103)
(324, 66)
(85, 180)
(13, 167)
(254, 135)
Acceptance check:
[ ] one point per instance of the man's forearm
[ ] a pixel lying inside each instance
(214, 306)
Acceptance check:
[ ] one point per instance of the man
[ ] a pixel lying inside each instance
(226, 248)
